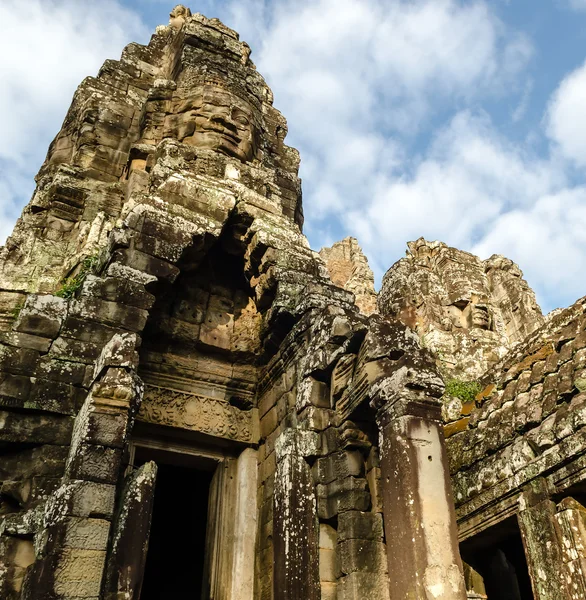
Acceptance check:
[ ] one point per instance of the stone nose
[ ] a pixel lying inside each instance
(225, 121)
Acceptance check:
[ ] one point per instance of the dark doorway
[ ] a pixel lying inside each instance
(498, 555)
(177, 544)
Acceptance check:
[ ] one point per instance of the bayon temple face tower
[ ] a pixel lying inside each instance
(195, 404)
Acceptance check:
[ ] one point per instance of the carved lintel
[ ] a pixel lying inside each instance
(211, 416)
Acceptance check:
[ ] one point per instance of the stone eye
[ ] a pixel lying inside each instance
(240, 119)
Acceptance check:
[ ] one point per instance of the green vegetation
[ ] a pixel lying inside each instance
(464, 390)
(16, 311)
(72, 284)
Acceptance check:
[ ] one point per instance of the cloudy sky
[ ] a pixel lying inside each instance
(458, 120)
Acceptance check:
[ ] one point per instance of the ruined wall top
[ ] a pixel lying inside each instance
(348, 268)
(469, 311)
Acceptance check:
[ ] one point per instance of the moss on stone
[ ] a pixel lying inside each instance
(464, 390)
(71, 284)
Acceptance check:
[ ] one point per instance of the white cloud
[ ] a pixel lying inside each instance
(45, 51)
(358, 81)
(548, 240)
(476, 190)
(469, 177)
(577, 4)
(566, 119)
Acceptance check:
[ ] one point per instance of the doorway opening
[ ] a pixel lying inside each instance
(176, 557)
(497, 554)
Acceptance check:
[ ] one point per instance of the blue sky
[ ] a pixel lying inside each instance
(458, 120)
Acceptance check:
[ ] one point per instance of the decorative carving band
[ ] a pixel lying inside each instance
(211, 416)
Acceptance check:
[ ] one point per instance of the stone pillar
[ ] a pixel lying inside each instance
(419, 515)
(571, 517)
(130, 538)
(245, 526)
(554, 539)
(296, 527)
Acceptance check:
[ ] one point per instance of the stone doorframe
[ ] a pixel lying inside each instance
(232, 516)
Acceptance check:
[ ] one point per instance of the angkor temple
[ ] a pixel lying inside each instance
(194, 404)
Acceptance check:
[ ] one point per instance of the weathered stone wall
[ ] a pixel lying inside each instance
(70, 391)
(319, 473)
(523, 449)
(528, 413)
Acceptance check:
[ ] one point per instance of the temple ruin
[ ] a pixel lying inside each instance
(196, 404)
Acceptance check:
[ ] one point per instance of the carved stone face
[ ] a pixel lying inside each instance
(216, 119)
(465, 314)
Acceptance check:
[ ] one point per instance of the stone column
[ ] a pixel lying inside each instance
(419, 515)
(555, 540)
(571, 517)
(296, 527)
(245, 526)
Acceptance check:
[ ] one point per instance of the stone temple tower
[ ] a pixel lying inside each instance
(191, 408)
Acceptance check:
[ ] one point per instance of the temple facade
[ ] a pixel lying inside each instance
(196, 404)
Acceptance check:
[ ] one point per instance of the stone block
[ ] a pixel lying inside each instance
(14, 389)
(146, 263)
(75, 350)
(360, 525)
(25, 340)
(46, 460)
(358, 586)
(338, 466)
(364, 556)
(329, 591)
(327, 537)
(327, 565)
(118, 289)
(35, 427)
(88, 534)
(41, 315)
(95, 463)
(55, 396)
(61, 370)
(318, 419)
(268, 423)
(312, 392)
(341, 495)
(89, 499)
(105, 429)
(79, 573)
(111, 313)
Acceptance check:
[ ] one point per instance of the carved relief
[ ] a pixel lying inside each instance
(162, 406)
(213, 117)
